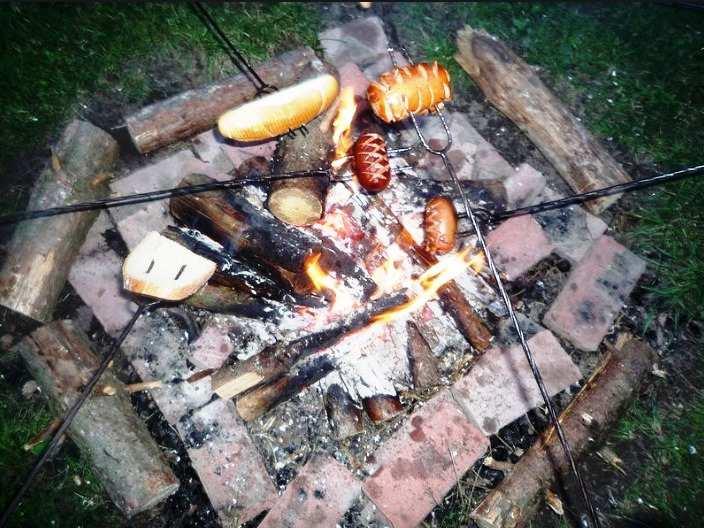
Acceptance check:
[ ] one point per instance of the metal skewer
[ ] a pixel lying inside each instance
(442, 153)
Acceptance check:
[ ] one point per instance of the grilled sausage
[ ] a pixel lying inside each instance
(440, 224)
(281, 111)
(417, 88)
(371, 162)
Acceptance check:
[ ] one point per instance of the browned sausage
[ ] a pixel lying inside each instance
(417, 88)
(440, 223)
(371, 162)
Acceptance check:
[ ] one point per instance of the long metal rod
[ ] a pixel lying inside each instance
(574, 199)
(442, 153)
(53, 445)
(152, 196)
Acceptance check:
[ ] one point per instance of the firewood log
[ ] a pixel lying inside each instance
(41, 252)
(424, 370)
(344, 415)
(591, 412)
(516, 90)
(194, 111)
(125, 457)
(382, 407)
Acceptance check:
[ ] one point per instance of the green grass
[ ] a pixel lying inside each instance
(57, 57)
(669, 485)
(635, 73)
(57, 498)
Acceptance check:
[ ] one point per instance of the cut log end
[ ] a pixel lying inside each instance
(296, 206)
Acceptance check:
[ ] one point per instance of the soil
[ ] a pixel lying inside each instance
(189, 506)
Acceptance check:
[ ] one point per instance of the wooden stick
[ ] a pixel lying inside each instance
(41, 252)
(42, 435)
(601, 399)
(143, 385)
(196, 110)
(516, 90)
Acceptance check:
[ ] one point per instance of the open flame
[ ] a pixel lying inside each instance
(328, 285)
(342, 126)
(432, 280)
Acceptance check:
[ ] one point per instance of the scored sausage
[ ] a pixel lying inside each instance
(417, 88)
(440, 224)
(371, 162)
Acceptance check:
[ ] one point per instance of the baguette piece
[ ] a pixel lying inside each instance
(416, 88)
(161, 268)
(280, 112)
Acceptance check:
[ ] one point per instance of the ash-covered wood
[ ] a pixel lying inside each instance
(424, 368)
(194, 111)
(301, 201)
(382, 407)
(277, 360)
(222, 299)
(592, 411)
(516, 90)
(107, 430)
(259, 400)
(41, 251)
(344, 415)
(249, 233)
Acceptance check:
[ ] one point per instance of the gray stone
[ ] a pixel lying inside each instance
(361, 41)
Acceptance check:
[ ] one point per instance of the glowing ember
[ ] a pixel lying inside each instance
(342, 126)
(328, 285)
(432, 280)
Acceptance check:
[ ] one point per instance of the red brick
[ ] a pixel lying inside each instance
(212, 347)
(595, 291)
(518, 244)
(501, 387)
(319, 496)
(524, 186)
(228, 464)
(423, 460)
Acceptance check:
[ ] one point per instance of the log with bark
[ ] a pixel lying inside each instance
(249, 233)
(277, 360)
(41, 251)
(194, 111)
(382, 407)
(597, 406)
(517, 91)
(301, 201)
(107, 430)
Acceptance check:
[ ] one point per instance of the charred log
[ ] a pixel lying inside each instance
(344, 416)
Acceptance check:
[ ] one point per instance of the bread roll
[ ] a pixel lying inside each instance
(417, 88)
(281, 111)
(162, 269)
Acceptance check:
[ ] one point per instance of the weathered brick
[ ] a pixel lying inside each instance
(594, 293)
(96, 275)
(423, 460)
(212, 347)
(501, 387)
(225, 155)
(227, 462)
(572, 230)
(361, 41)
(524, 186)
(319, 496)
(518, 244)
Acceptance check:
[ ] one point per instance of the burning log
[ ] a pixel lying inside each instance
(516, 90)
(118, 444)
(597, 406)
(259, 400)
(382, 408)
(41, 252)
(301, 201)
(248, 232)
(194, 111)
(344, 415)
(277, 360)
(423, 364)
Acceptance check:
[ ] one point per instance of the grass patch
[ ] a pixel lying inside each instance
(636, 76)
(66, 493)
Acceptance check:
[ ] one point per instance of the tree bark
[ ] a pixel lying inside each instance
(41, 251)
(609, 389)
(516, 90)
(106, 429)
(196, 110)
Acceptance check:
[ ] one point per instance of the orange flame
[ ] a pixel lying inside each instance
(342, 125)
(328, 285)
(432, 280)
